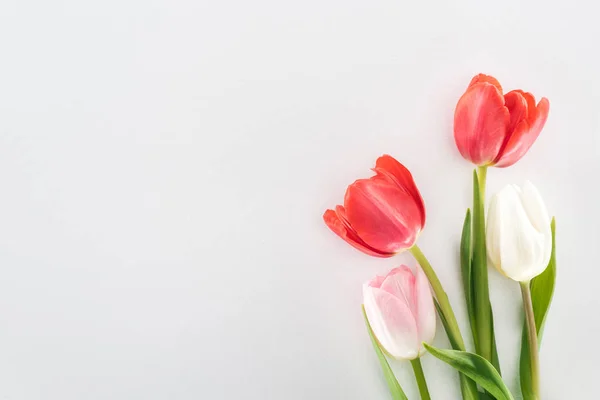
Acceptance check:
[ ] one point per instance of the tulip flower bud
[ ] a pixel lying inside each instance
(496, 129)
(519, 238)
(401, 313)
(382, 215)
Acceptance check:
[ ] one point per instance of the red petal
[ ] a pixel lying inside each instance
(538, 121)
(517, 106)
(525, 134)
(482, 78)
(480, 122)
(531, 107)
(382, 215)
(516, 103)
(389, 167)
(340, 228)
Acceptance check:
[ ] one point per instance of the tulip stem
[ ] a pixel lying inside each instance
(481, 294)
(482, 175)
(420, 377)
(452, 330)
(467, 386)
(532, 337)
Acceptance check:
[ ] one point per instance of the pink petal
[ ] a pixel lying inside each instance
(392, 323)
(375, 282)
(480, 122)
(400, 282)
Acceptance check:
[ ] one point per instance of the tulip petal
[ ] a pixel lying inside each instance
(517, 106)
(401, 282)
(375, 282)
(523, 137)
(392, 323)
(426, 313)
(480, 122)
(482, 78)
(515, 247)
(535, 208)
(539, 218)
(389, 167)
(492, 233)
(382, 215)
(345, 231)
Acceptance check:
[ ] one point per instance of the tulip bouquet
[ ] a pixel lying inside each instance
(384, 215)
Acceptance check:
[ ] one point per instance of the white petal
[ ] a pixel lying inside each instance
(514, 244)
(492, 240)
(535, 208)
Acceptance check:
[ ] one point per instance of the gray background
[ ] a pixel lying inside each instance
(164, 166)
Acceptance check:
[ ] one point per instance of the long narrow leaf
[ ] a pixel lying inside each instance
(467, 386)
(485, 396)
(395, 388)
(542, 290)
(466, 271)
(542, 287)
(495, 359)
(476, 368)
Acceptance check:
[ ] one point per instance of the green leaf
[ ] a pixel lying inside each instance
(467, 386)
(466, 271)
(485, 396)
(476, 368)
(542, 290)
(495, 359)
(445, 323)
(466, 260)
(542, 287)
(390, 378)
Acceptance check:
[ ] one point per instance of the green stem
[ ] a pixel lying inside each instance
(482, 174)
(532, 338)
(481, 292)
(420, 377)
(448, 314)
(467, 386)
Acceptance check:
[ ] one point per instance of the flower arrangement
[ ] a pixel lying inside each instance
(384, 215)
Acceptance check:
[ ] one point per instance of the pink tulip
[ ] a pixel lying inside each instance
(401, 313)
(492, 129)
(382, 215)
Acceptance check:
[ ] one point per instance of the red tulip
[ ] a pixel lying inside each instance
(492, 129)
(382, 215)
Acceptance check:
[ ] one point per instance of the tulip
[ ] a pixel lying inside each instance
(401, 313)
(492, 129)
(381, 215)
(519, 236)
(384, 215)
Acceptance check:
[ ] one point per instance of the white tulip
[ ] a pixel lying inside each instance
(519, 238)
